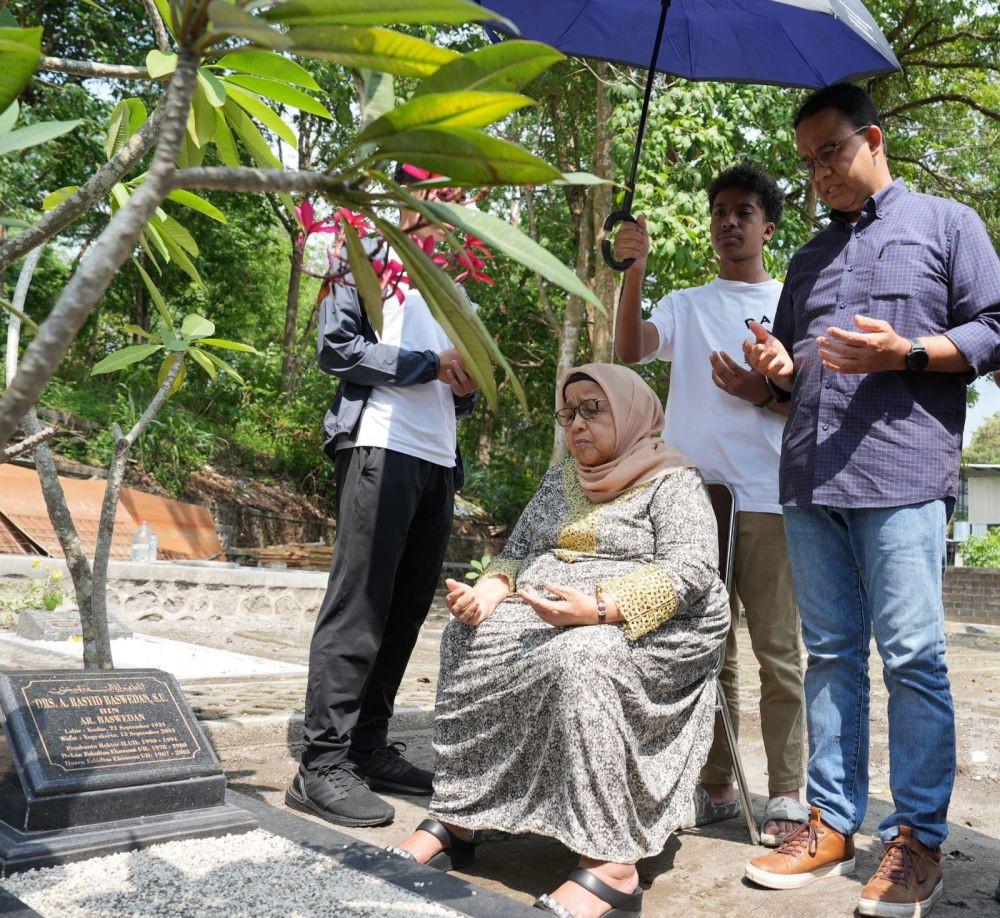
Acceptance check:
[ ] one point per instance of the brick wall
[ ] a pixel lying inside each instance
(972, 594)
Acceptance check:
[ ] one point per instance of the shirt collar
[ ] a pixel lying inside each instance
(878, 205)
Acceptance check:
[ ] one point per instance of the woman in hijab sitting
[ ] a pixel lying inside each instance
(576, 694)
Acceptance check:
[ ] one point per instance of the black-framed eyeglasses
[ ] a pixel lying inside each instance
(827, 157)
(587, 409)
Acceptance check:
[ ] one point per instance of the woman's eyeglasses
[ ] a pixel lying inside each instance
(827, 157)
(588, 408)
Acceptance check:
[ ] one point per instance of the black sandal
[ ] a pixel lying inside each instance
(457, 854)
(623, 905)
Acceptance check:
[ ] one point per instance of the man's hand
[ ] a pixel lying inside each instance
(632, 241)
(730, 377)
(876, 349)
(571, 608)
(473, 605)
(767, 355)
(453, 372)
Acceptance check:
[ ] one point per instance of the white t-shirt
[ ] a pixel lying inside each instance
(416, 420)
(726, 437)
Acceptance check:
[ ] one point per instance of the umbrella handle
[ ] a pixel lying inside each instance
(607, 252)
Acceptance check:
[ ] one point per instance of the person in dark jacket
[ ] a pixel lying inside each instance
(391, 432)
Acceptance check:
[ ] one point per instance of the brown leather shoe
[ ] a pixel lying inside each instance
(908, 881)
(811, 852)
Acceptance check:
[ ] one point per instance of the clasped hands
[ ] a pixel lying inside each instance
(473, 605)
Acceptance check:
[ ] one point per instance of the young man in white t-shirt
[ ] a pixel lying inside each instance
(723, 417)
(391, 431)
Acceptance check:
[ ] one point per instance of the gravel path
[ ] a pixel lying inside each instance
(257, 874)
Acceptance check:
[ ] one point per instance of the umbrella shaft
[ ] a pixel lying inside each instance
(630, 193)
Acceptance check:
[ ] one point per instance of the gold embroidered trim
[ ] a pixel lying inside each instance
(503, 567)
(578, 533)
(646, 599)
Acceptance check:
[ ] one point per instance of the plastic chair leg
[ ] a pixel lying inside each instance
(741, 778)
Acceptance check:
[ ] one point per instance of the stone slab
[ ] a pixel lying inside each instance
(42, 625)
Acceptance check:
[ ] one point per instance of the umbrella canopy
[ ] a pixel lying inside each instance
(807, 43)
(803, 43)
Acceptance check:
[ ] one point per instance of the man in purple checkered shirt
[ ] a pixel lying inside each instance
(886, 316)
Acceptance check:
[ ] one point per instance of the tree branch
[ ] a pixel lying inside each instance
(951, 65)
(93, 69)
(162, 39)
(219, 178)
(106, 256)
(944, 97)
(950, 39)
(940, 179)
(28, 444)
(543, 297)
(97, 187)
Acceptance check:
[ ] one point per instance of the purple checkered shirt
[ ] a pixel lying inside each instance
(926, 266)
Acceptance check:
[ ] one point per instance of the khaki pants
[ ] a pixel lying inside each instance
(762, 583)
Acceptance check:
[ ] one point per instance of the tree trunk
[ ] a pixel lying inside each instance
(289, 341)
(604, 281)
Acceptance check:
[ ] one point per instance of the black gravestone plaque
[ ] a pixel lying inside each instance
(95, 762)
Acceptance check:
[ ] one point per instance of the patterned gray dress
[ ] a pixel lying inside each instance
(591, 735)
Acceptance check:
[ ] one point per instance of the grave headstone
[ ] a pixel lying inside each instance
(42, 625)
(97, 762)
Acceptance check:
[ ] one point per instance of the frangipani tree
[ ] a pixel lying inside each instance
(219, 62)
(217, 70)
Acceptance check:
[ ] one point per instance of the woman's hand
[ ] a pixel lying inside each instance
(473, 605)
(571, 608)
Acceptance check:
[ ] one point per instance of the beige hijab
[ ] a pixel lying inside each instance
(640, 455)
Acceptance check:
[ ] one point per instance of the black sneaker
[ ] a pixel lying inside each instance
(337, 794)
(386, 770)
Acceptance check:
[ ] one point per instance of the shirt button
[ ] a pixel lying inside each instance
(850, 267)
(859, 234)
(826, 427)
(827, 385)
(842, 306)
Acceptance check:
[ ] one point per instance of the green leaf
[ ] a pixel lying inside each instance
(201, 118)
(160, 63)
(14, 311)
(369, 289)
(446, 109)
(191, 155)
(155, 295)
(20, 51)
(281, 92)
(373, 49)
(35, 134)
(378, 95)
(266, 116)
(581, 178)
(382, 12)
(163, 7)
(191, 200)
(9, 118)
(170, 229)
(212, 86)
(195, 326)
(179, 256)
(508, 65)
(120, 194)
(137, 330)
(125, 357)
(503, 237)
(201, 358)
(224, 142)
(53, 200)
(225, 367)
(232, 20)
(166, 367)
(468, 157)
(126, 119)
(268, 64)
(448, 306)
(251, 137)
(229, 345)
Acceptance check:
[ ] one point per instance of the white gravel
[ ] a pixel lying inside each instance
(257, 874)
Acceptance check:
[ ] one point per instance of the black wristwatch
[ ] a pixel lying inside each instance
(917, 357)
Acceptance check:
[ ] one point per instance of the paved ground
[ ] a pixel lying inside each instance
(699, 873)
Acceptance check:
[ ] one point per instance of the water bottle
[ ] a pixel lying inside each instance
(141, 543)
(152, 547)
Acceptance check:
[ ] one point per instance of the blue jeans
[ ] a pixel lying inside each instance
(856, 571)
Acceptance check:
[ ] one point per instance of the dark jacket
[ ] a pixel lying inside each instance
(348, 348)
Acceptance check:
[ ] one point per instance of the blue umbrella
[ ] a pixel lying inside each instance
(806, 43)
